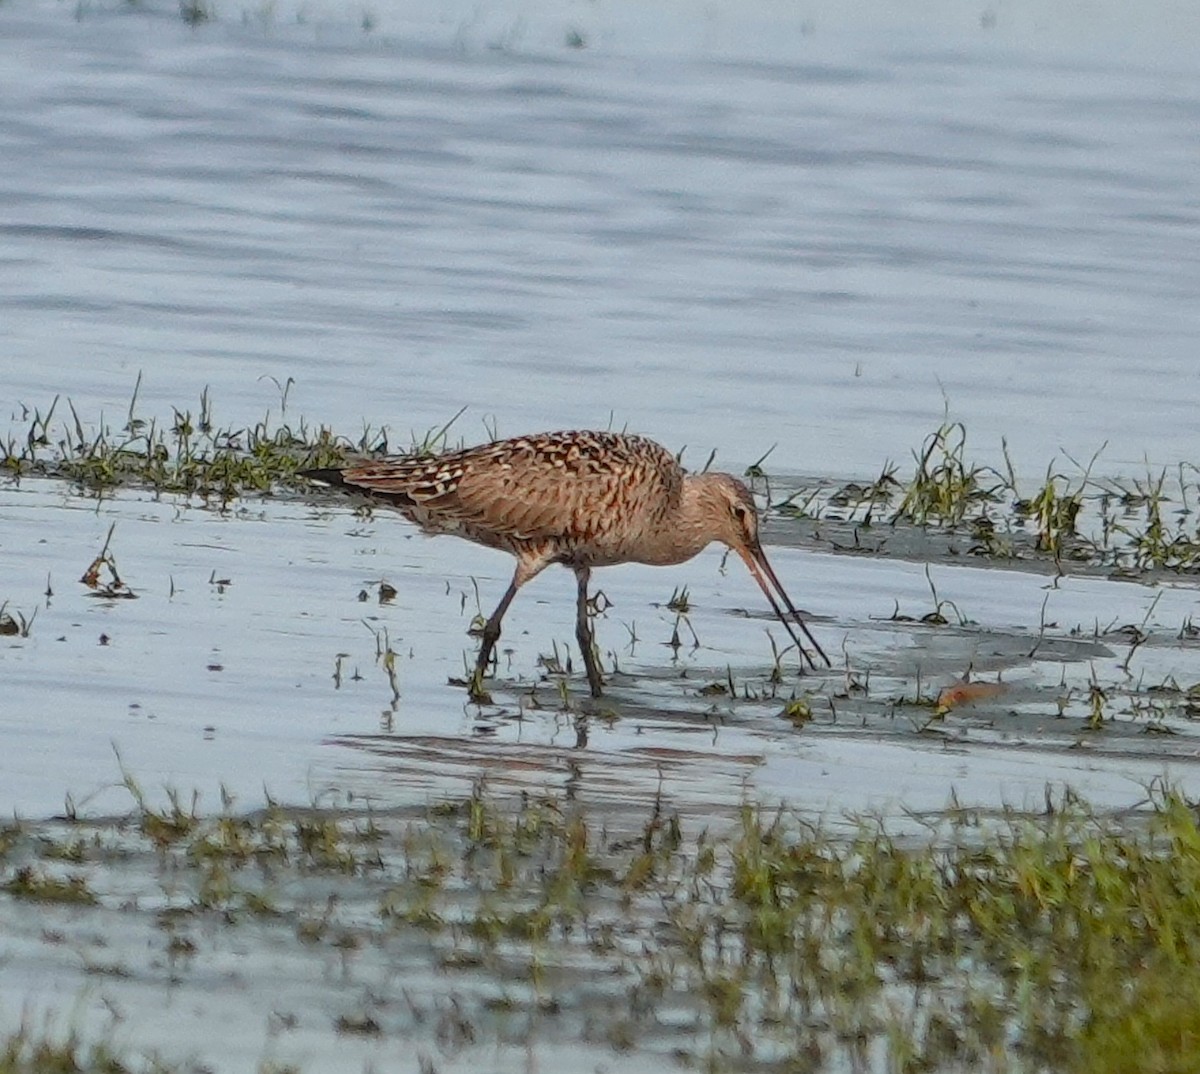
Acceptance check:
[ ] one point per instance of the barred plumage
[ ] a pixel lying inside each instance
(582, 499)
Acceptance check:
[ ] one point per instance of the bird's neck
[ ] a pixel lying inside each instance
(682, 532)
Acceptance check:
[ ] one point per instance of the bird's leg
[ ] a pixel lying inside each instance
(529, 565)
(491, 635)
(583, 633)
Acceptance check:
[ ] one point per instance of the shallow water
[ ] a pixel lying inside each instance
(249, 660)
(728, 230)
(217, 679)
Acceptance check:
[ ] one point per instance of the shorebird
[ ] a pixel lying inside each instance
(582, 499)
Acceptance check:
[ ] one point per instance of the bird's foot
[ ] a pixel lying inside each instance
(477, 691)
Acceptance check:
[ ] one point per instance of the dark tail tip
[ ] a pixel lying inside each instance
(331, 477)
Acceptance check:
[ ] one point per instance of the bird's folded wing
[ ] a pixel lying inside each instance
(547, 486)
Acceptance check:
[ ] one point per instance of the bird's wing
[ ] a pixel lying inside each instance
(551, 485)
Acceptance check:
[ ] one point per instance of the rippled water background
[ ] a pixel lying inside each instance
(729, 225)
(726, 226)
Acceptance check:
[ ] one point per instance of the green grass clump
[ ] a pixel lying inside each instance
(24, 1053)
(189, 455)
(1011, 943)
(945, 487)
(15, 624)
(1065, 943)
(1135, 527)
(27, 1052)
(37, 886)
(10, 835)
(1071, 940)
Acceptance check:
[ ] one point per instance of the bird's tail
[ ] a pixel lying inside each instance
(332, 477)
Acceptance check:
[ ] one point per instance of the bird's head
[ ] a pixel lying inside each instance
(731, 512)
(733, 519)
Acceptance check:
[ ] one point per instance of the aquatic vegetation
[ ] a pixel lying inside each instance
(196, 12)
(102, 576)
(952, 507)
(27, 1052)
(29, 882)
(783, 940)
(1054, 512)
(1060, 941)
(190, 455)
(945, 486)
(1135, 526)
(15, 623)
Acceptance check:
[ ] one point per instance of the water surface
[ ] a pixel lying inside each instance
(728, 230)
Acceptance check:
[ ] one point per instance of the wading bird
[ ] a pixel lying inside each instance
(582, 499)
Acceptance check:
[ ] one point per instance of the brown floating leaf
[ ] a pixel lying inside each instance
(965, 693)
(113, 587)
(91, 577)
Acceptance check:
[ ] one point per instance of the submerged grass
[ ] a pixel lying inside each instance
(1135, 526)
(190, 455)
(945, 487)
(37, 886)
(27, 1052)
(1064, 942)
